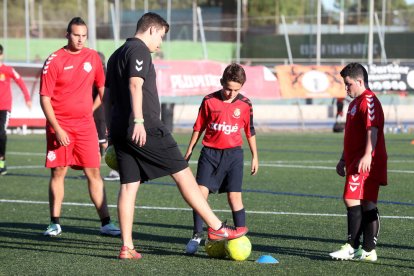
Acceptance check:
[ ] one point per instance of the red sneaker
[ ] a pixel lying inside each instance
(226, 232)
(127, 253)
(242, 228)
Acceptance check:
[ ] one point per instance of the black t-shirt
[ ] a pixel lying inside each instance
(133, 59)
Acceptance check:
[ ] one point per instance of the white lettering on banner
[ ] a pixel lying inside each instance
(345, 49)
(227, 129)
(194, 81)
(388, 77)
(385, 77)
(388, 69)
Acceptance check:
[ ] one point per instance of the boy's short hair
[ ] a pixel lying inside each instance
(233, 72)
(151, 19)
(75, 21)
(355, 70)
(1, 49)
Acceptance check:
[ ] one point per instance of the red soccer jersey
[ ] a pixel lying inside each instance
(6, 74)
(222, 121)
(68, 80)
(365, 112)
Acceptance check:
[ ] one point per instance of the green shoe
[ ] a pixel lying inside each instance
(367, 256)
(358, 253)
(3, 167)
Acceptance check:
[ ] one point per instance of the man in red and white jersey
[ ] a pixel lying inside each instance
(7, 73)
(365, 159)
(222, 116)
(66, 99)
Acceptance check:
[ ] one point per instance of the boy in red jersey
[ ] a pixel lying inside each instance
(145, 148)
(66, 100)
(365, 158)
(222, 115)
(6, 74)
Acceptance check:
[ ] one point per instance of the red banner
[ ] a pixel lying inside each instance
(174, 79)
(301, 81)
(190, 78)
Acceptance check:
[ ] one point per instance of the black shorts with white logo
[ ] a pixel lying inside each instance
(221, 170)
(160, 156)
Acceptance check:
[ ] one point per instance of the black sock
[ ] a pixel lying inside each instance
(54, 220)
(198, 223)
(239, 218)
(105, 221)
(354, 215)
(371, 229)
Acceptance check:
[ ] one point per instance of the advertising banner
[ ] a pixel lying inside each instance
(391, 77)
(191, 78)
(302, 81)
(174, 79)
(307, 81)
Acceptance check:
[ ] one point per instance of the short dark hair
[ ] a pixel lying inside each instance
(234, 72)
(355, 70)
(1, 49)
(151, 19)
(75, 21)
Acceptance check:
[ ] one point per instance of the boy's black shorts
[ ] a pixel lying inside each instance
(160, 156)
(221, 170)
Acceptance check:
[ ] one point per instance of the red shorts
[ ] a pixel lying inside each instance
(83, 150)
(361, 186)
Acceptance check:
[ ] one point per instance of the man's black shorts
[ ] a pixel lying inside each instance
(160, 156)
(221, 170)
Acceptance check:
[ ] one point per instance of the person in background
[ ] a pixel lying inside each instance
(66, 99)
(7, 73)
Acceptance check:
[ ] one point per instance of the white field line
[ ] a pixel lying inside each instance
(261, 163)
(247, 164)
(189, 209)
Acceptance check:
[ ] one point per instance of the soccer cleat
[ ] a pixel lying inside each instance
(367, 256)
(226, 232)
(3, 167)
(242, 228)
(110, 230)
(127, 253)
(347, 252)
(358, 253)
(53, 230)
(113, 176)
(192, 245)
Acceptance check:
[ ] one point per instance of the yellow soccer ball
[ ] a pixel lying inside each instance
(238, 249)
(110, 158)
(215, 249)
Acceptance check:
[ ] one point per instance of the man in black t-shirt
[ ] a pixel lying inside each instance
(145, 149)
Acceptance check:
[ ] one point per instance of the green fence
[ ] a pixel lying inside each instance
(40, 49)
